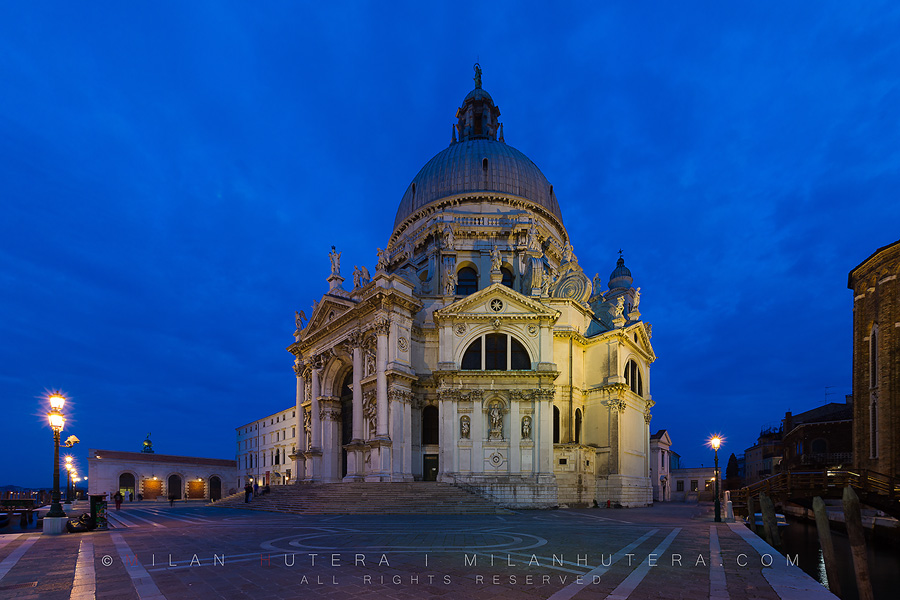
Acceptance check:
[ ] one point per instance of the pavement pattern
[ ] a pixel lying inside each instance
(154, 551)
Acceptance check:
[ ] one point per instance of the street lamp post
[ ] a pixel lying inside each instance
(57, 421)
(715, 442)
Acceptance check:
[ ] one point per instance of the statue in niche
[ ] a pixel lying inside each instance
(356, 277)
(364, 277)
(637, 299)
(496, 261)
(307, 428)
(465, 427)
(382, 263)
(449, 281)
(370, 362)
(449, 238)
(335, 257)
(526, 428)
(495, 416)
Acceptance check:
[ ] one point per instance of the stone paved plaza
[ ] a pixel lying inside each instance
(197, 551)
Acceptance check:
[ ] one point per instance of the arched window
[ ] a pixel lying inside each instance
(430, 434)
(578, 420)
(555, 425)
(466, 281)
(873, 427)
(496, 352)
(633, 378)
(873, 357)
(507, 277)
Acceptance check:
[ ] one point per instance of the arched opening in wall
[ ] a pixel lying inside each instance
(126, 484)
(174, 487)
(346, 418)
(633, 378)
(215, 488)
(507, 277)
(466, 281)
(819, 446)
(430, 429)
(496, 352)
(578, 420)
(873, 429)
(873, 357)
(555, 425)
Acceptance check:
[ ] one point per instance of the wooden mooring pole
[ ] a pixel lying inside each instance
(853, 521)
(751, 512)
(824, 529)
(770, 524)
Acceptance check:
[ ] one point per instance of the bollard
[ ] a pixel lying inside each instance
(853, 521)
(824, 529)
(769, 523)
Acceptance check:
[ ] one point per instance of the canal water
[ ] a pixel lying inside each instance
(800, 537)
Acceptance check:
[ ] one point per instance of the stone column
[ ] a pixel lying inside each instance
(382, 327)
(300, 442)
(356, 343)
(315, 451)
(355, 451)
(515, 437)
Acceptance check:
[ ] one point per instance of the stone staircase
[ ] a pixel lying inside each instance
(420, 497)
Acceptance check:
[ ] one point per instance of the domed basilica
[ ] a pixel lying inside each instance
(478, 353)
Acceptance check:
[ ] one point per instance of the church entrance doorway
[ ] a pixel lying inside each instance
(430, 467)
(346, 419)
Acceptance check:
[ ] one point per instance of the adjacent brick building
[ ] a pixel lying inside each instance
(876, 361)
(819, 438)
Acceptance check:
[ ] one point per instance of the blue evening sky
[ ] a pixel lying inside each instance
(173, 174)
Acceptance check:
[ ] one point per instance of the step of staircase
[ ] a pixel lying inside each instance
(425, 497)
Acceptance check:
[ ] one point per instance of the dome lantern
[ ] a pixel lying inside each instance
(478, 117)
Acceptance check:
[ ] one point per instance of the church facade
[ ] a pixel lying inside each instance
(479, 353)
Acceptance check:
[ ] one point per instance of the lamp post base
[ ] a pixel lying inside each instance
(54, 525)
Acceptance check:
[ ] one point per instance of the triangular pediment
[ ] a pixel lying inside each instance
(496, 300)
(329, 309)
(639, 330)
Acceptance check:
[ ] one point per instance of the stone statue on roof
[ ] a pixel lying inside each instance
(147, 446)
(477, 78)
(335, 257)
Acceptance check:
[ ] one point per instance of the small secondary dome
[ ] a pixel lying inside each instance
(620, 278)
(478, 161)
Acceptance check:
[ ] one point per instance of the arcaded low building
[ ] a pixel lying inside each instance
(876, 361)
(160, 475)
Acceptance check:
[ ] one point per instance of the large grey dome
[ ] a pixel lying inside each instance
(478, 165)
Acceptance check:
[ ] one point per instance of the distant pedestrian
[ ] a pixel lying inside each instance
(172, 499)
(118, 498)
(266, 489)
(256, 488)
(248, 491)
(131, 496)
